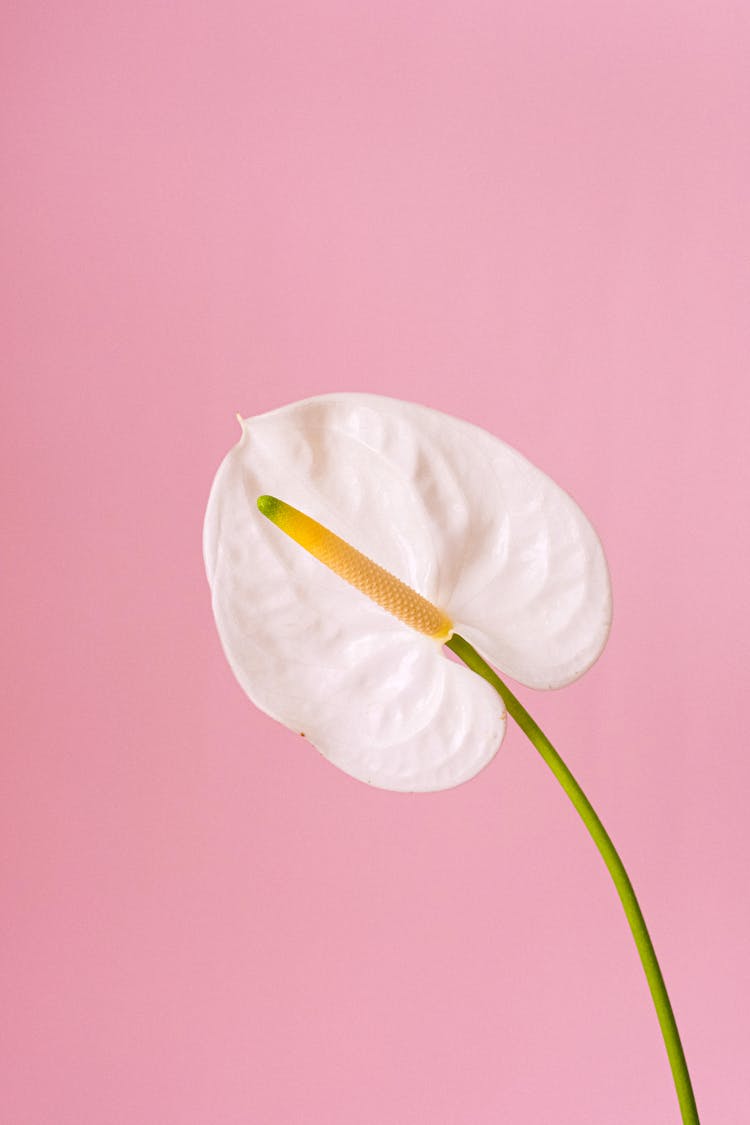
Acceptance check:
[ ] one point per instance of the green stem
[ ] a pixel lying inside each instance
(615, 867)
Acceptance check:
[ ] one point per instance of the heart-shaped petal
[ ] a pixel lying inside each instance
(452, 511)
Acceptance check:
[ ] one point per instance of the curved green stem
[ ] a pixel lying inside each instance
(615, 867)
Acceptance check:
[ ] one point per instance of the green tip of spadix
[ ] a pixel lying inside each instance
(269, 506)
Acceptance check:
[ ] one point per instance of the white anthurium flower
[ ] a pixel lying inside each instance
(502, 555)
(419, 531)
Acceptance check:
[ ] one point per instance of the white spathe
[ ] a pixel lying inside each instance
(455, 513)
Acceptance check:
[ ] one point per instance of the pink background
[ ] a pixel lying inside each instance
(530, 215)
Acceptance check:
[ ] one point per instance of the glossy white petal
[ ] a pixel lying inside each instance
(452, 511)
(376, 698)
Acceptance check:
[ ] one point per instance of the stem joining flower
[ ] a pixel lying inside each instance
(358, 570)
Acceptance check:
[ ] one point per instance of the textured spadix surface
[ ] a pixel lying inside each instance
(457, 515)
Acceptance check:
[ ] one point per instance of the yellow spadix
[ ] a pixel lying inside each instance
(358, 570)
